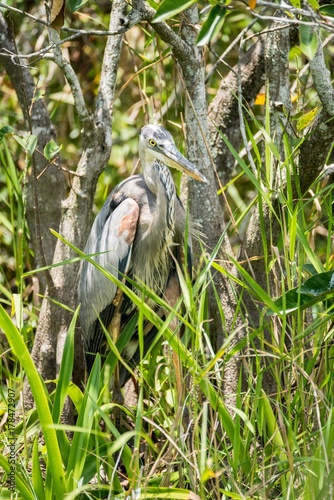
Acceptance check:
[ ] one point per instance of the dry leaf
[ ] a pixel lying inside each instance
(252, 4)
(57, 16)
(260, 99)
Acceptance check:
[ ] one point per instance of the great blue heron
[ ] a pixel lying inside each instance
(139, 232)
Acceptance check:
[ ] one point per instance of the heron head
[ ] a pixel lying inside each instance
(155, 142)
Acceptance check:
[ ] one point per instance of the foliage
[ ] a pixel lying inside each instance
(277, 445)
(296, 433)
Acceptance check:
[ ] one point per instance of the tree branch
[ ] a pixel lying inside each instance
(77, 212)
(70, 76)
(40, 213)
(180, 48)
(322, 78)
(223, 110)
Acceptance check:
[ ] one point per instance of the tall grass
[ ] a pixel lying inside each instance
(182, 441)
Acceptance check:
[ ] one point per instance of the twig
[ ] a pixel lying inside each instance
(71, 77)
(180, 48)
(23, 13)
(42, 53)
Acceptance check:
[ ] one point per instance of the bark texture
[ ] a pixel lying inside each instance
(204, 210)
(223, 111)
(255, 249)
(77, 208)
(41, 214)
(207, 209)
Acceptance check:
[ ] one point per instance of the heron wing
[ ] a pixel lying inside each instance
(110, 245)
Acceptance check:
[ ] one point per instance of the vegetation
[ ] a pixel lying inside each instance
(191, 433)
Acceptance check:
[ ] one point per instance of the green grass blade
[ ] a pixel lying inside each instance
(20, 484)
(37, 478)
(41, 401)
(65, 372)
(79, 449)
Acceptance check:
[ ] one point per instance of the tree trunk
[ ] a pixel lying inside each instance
(44, 179)
(77, 211)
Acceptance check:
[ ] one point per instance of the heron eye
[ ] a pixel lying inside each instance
(152, 142)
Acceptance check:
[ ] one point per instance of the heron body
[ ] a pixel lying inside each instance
(139, 232)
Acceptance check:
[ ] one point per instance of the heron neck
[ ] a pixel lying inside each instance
(160, 182)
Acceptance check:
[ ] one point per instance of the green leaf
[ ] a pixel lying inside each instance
(51, 150)
(76, 4)
(310, 269)
(212, 25)
(28, 143)
(307, 119)
(308, 40)
(20, 483)
(6, 129)
(55, 465)
(31, 144)
(327, 10)
(319, 285)
(65, 372)
(79, 448)
(292, 301)
(314, 290)
(37, 477)
(314, 4)
(170, 8)
(295, 3)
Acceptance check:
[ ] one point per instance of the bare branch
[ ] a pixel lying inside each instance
(23, 13)
(71, 77)
(107, 85)
(180, 48)
(322, 78)
(223, 110)
(44, 53)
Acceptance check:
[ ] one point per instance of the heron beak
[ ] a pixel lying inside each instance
(175, 159)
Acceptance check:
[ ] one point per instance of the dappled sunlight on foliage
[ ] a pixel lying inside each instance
(236, 401)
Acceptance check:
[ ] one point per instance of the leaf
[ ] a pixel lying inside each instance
(327, 10)
(28, 143)
(319, 285)
(307, 119)
(20, 483)
(37, 477)
(212, 25)
(41, 400)
(6, 129)
(17, 309)
(310, 269)
(252, 4)
(314, 290)
(295, 3)
(260, 99)
(66, 368)
(314, 4)
(292, 301)
(51, 150)
(31, 144)
(79, 448)
(57, 16)
(170, 8)
(76, 4)
(308, 40)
